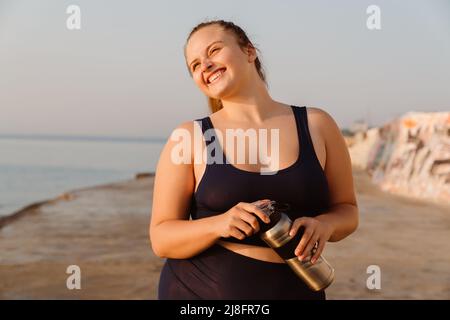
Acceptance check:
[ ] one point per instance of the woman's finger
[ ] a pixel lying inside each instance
(251, 220)
(251, 208)
(236, 233)
(243, 226)
(319, 251)
(296, 225)
(260, 202)
(304, 241)
(309, 247)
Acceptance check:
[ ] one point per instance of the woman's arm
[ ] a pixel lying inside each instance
(343, 214)
(342, 218)
(172, 234)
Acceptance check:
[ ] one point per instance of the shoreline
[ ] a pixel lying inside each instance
(33, 207)
(71, 194)
(66, 195)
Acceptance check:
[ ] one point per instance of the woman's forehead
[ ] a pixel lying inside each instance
(204, 37)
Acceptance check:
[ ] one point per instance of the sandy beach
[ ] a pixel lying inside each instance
(104, 230)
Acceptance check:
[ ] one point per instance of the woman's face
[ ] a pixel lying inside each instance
(217, 64)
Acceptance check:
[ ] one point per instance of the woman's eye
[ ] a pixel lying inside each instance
(195, 65)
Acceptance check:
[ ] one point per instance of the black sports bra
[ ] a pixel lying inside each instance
(302, 185)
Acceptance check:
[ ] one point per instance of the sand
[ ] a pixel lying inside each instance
(104, 230)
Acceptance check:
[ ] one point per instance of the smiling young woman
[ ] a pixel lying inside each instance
(217, 254)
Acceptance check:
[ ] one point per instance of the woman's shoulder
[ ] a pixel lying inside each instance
(321, 122)
(180, 130)
(316, 112)
(187, 126)
(319, 117)
(181, 136)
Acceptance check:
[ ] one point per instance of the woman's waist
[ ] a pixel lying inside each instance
(256, 252)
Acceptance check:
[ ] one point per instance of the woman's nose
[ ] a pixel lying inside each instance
(206, 65)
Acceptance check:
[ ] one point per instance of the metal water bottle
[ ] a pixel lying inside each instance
(317, 276)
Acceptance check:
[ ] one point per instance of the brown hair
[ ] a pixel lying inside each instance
(242, 40)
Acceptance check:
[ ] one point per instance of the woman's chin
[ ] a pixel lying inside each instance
(220, 91)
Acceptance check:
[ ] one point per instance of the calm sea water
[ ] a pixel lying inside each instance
(39, 168)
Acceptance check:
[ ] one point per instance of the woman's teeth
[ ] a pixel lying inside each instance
(215, 76)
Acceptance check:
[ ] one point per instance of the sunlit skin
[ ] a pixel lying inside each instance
(247, 104)
(213, 48)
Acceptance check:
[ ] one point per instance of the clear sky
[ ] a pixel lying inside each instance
(124, 74)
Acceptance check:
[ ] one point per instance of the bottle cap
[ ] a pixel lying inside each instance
(271, 207)
(273, 211)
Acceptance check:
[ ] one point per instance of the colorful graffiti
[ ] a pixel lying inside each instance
(409, 155)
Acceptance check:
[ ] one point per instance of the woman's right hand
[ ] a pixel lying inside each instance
(240, 221)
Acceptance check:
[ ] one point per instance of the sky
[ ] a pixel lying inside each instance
(123, 73)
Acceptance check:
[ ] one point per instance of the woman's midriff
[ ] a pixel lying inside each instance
(255, 252)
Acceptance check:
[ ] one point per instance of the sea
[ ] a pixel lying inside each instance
(36, 168)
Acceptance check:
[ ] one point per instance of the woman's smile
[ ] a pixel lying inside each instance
(216, 75)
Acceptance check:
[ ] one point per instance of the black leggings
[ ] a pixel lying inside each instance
(219, 273)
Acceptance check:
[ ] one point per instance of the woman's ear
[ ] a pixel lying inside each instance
(251, 52)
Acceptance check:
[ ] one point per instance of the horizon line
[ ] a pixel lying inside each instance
(79, 137)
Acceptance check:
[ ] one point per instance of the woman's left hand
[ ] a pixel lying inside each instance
(315, 231)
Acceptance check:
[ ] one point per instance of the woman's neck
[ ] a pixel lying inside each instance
(254, 105)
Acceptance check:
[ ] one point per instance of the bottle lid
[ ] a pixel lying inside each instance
(272, 206)
(272, 210)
